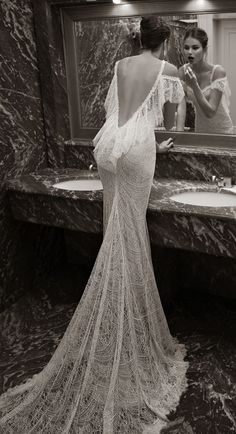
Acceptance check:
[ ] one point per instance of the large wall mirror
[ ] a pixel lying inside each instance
(97, 36)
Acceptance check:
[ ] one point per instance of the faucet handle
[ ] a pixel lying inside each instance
(216, 179)
(222, 181)
(92, 167)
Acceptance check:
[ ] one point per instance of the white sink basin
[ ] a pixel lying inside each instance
(205, 198)
(79, 185)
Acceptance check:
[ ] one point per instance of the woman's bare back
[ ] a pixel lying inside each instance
(136, 77)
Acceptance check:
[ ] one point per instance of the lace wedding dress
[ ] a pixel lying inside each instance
(117, 369)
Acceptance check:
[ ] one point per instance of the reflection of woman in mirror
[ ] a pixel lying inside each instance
(206, 86)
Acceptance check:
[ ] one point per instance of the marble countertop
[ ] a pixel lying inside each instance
(160, 202)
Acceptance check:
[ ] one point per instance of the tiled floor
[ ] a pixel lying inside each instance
(32, 328)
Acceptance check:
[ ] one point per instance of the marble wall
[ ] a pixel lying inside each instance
(196, 164)
(50, 55)
(98, 45)
(22, 140)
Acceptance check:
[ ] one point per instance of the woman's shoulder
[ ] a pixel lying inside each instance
(170, 70)
(121, 62)
(126, 64)
(125, 59)
(218, 71)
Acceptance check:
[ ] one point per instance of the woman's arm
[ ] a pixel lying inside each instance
(169, 115)
(181, 109)
(165, 146)
(208, 106)
(169, 109)
(181, 115)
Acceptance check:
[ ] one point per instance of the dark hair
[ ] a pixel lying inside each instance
(197, 33)
(153, 32)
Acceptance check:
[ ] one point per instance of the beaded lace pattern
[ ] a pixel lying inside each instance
(117, 368)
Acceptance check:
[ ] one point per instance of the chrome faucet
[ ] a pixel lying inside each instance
(92, 167)
(222, 181)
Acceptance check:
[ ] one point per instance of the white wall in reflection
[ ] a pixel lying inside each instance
(221, 30)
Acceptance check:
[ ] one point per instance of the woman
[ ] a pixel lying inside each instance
(117, 369)
(206, 86)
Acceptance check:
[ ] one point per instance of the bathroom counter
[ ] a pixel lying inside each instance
(208, 229)
(42, 183)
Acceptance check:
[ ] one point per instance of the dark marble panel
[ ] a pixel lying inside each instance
(49, 252)
(33, 327)
(209, 404)
(22, 133)
(22, 141)
(16, 250)
(99, 44)
(207, 273)
(206, 235)
(28, 252)
(21, 137)
(79, 155)
(82, 215)
(196, 163)
(82, 247)
(53, 79)
(194, 272)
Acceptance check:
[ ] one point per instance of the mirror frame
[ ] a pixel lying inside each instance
(124, 10)
(52, 65)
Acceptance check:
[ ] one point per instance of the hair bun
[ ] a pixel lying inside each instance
(154, 31)
(151, 23)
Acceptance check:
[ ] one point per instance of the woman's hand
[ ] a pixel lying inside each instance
(189, 76)
(165, 146)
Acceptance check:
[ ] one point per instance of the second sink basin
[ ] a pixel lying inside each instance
(80, 185)
(205, 198)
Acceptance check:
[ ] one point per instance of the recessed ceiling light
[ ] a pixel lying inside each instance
(200, 2)
(116, 2)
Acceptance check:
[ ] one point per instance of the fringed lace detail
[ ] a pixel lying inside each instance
(113, 141)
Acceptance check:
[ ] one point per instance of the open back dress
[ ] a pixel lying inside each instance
(117, 368)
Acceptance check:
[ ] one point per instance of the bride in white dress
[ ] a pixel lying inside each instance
(117, 368)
